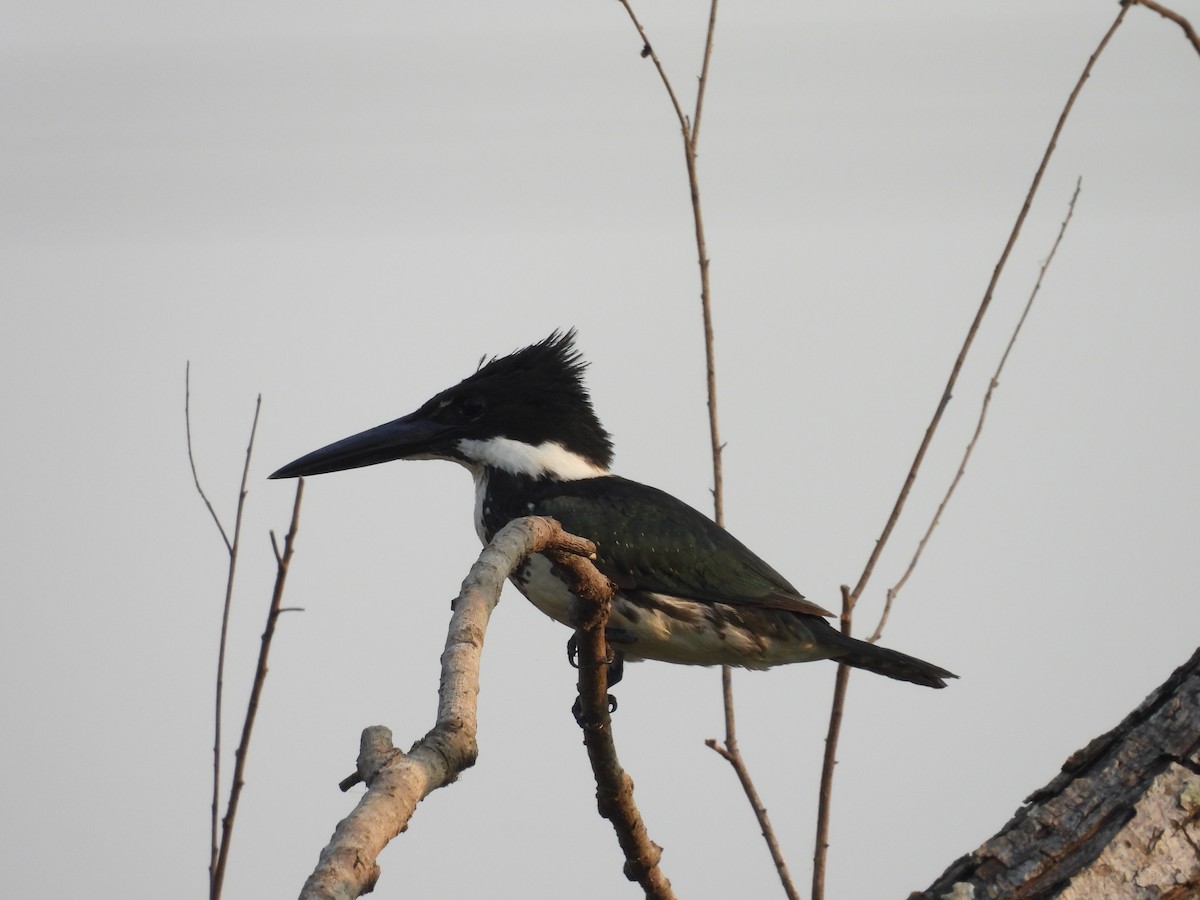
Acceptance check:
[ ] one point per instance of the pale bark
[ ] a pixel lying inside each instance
(397, 781)
(1122, 819)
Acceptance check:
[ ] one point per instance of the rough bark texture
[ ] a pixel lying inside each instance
(1122, 819)
(614, 787)
(398, 781)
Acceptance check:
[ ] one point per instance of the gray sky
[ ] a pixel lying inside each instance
(343, 206)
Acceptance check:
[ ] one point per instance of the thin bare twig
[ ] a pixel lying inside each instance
(987, 400)
(1175, 17)
(690, 134)
(214, 884)
(983, 308)
(732, 754)
(690, 131)
(703, 83)
(825, 797)
(839, 688)
(648, 50)
(187, 419)
(282, 562)
(232, 546)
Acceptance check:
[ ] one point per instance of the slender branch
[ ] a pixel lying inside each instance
(187, 419)
(732, 754)
(690, 132)
(214, 885)
(648, 50)
(1175, 17)
(703, 83)
(987, 400)
(283, 561)
(710, 364)
(983, 307)
(827, 770)
(825, 797)
(232, 546)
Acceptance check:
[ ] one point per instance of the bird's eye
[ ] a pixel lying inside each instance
(471, 406)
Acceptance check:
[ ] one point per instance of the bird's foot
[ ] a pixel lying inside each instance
(615, 660)
(577, 709)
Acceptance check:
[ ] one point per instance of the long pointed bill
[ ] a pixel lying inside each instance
(406, 438)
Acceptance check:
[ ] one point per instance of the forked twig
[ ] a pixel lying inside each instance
(232, 546)
(822, 837)
(732, 754)
(397, 781)
(983, 411)
(690, 131)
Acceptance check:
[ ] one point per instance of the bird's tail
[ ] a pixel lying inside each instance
(883, 661)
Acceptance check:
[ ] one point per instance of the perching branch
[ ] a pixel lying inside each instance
(614, 787)
(983, 411)
(822, 840)
(397, 781)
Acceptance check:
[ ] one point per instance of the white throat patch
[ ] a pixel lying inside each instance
(549, 459)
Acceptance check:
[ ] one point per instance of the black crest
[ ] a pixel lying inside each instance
(538, 394)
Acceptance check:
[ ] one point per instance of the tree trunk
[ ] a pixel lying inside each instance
(1122, 819)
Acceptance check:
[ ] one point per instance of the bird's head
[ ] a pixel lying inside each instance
(527, 413)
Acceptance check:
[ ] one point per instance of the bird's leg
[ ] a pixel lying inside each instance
(616, 669)
(614, 659)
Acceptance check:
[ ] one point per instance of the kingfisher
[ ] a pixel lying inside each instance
(687, 591)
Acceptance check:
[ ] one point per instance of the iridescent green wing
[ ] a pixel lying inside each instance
(648, 540)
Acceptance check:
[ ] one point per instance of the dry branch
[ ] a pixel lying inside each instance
(839, 691)
(994, 383)
(1122, 819)
(282, 563)
(219, 847)
(1170, 14)
(690, 131)
(398, 781)
(614, 787)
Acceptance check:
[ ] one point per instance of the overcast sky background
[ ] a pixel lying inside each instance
(344, 206)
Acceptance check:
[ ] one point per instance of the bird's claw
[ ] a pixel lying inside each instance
(573, 651)
(615, 659)
(577, 708)
(616, 671)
